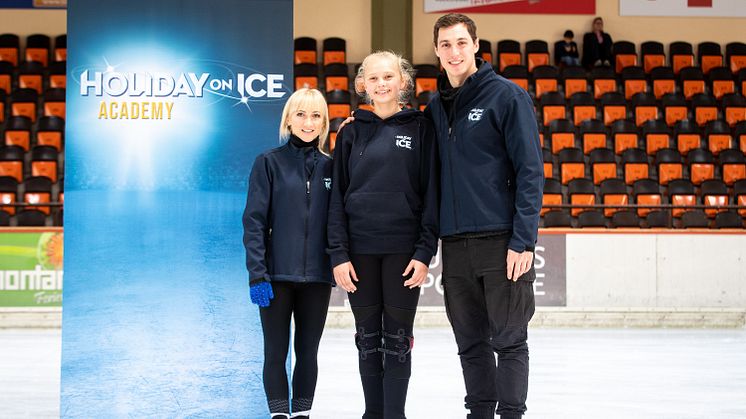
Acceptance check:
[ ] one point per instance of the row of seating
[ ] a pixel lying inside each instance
(652, 55)
(38, 48)
(27, 103)
(334, 50)
(40, 161)
(660, 219)
(32, 75)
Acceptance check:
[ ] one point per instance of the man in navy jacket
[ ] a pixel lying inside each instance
(491, 192)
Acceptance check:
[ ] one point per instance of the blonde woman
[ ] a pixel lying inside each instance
(285, 238)
(383, 226)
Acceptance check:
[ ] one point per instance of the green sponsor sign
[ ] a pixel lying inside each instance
(31, 269)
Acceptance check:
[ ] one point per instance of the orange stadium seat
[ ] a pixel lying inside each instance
(508, 53)
(38, 190)
(691, 81)
(625, 55)
(674, 108)
(603, 165)
(701, 165)
(735, 56)
(681, 192)
(485, 51)
(720, 81)
(739, 132)
(334, 50)
(669, 164)
(548, 159)
(37, 48)
(552, 195)
(6, 76)
(581, 192)
(613, 107)
(646, 192)
(333, 130)
(583, 107)
(652, 55)
(663, 80)
(44, 162)
(306, 75)
(305, 50)
(681, 55)
(635, 165)
(9, 47)
(11, 162)
(739, 193)
(645, 108)
(545, 79)
(561, 134)
(717, 134)
(571, 164)
(634, 81)
(57, 77)
(8, 193)
(537, 54)
(734, 108)
(704, 108)
(60, 48)
(709, 55)
(686, 136)
(518, 74)
(655, 135)
(339, 103)
(54, 103)
(714, 194)
(552, 107)
(425, 78)
(614, 192)
(50, 132)
(336, 77)
(23, 103)
(574, 80)
(623, 135)
(30, 75)
(18, 132)
(592, 135)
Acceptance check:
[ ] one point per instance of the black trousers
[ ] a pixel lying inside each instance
(384, 311)
(489, 314)
(307, 303)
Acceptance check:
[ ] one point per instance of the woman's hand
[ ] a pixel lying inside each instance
(344, 274)
(418, 276)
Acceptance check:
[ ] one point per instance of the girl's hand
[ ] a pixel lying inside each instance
(344, 274)
(418, 276)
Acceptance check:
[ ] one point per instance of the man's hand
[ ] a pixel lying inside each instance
(418, 277)
(344, 274)
(345, 122)
(519, 263)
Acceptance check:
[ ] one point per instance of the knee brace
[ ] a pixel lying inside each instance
(398, 341)
(367, 330)
(398, 345)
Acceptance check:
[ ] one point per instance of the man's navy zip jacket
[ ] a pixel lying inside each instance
(285, 216)
(384, 188)
(492, 175)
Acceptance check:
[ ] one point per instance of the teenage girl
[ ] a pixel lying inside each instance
(383, 226)
(285, 237)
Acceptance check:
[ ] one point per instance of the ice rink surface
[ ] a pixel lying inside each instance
(575, 373)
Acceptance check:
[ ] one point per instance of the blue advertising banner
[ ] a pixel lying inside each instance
(168, 104)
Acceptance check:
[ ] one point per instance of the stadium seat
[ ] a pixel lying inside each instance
(720, 82)
(60, 48)
(613, 192)
(423, 99)
(686, 136)
(656, 135)
(30, 75)
(548, 159)
(603, 165)
(537, 54)
(339, 103)
(633, 81)
(645, 108)
(485, 51)
(623, 135)
(674, 108)
(714, 194)
(552, 195)
(574, 80)
(704, 108)
(735, 56)
(734, 108)
(635, 165)
(709, 55)
(591, 218)
(658, 219)
(732, 166)
(18, 132)
(613, 107)
(334, 50)
(652, 55)
(44, 162)
(553, 219)
(425, 78)
(11, 162)
(37, 49)
(681, 55)
(57, 75)
(50, 132)
(580, 191)
(739, 133)
(552, 107)
(663, 80)
(646, 192)
(54, 103)
(508, 53)
(694, 219)
(728, 219)
(604, 81)
(9, 47)
(625, 55)
(31, 218)
(681, 193)
(8, 194)
(306, 75)
(701, 165)
(518, 74)
(6, 77)
(4, 219)
(572, 165)
(545, 79)
(739, 194)
(333, 130)
(23, 103)
(305, 50)
(669, 165)
(625, 219)
(717, 135)
(583, 107)
(691, 81)
(592, 135)
(561, 134)
(38, 190)
(336, 77)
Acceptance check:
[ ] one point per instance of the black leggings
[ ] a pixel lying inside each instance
(308, 304)
(384, 311)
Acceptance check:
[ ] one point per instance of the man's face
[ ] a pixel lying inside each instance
(456, 51)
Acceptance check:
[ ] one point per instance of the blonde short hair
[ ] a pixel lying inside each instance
(405, 69)
(309, 100)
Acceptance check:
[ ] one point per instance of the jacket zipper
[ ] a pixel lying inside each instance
(450, 168)
(308, 212)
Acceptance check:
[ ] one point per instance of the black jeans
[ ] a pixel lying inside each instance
(489, 313)
(308, 304)
(384, 311)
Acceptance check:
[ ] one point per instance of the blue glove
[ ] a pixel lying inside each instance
(261, 293)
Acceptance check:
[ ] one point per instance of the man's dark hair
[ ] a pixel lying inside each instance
(451, 19)
(569, 34)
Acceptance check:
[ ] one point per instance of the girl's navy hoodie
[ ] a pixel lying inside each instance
(384, 188)
(285, 216)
